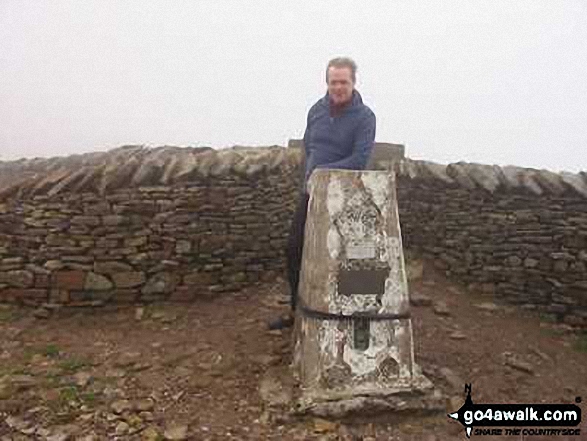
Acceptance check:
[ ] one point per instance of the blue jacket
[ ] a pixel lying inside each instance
(343, 142)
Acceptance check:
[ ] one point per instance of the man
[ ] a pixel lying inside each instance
(340, 132)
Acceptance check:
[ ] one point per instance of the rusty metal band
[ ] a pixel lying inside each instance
(321, 315)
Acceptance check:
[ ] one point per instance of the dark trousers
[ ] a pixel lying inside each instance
(295, 246)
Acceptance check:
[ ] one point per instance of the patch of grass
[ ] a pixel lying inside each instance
(4, 370)
(88, 397)
(548, 318)
(72, 393)
(68, 393)
(152, 307)
(72, 365)
(580, 343)
(28, 353)
(50, 351)
(6, 391)
(21, 371)
(6, 315)
(552, 332)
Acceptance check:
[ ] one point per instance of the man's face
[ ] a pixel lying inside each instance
(340, 85)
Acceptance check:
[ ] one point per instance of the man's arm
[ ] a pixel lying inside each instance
(307, 150)
(362, 147)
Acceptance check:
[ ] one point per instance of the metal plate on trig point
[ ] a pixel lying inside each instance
(361, 251)
(362, 281)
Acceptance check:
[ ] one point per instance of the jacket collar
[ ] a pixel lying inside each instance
(356, 101)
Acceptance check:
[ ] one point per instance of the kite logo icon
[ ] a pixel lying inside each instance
(467, 406)
(473, 416)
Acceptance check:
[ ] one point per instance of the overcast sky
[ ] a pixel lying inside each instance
(496, 81)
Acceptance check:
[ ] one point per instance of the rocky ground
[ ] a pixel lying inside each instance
(199, 371)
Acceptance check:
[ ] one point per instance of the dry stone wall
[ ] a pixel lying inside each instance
(518, 233)
(144, 224)
(139, 224)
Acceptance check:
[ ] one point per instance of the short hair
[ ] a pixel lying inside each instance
(343, 62)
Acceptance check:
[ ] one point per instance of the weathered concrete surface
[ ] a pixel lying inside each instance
(349, 365)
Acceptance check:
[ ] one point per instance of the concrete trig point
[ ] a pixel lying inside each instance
(353, 339)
